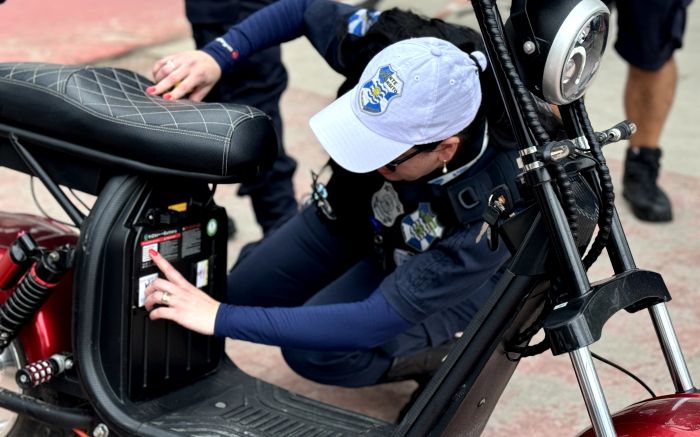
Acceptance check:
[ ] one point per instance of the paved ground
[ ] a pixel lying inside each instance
(542, 398)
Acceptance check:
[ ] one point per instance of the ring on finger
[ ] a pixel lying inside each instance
(170, 64)
(165, 298)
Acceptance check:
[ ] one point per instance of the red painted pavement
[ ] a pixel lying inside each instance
(41, 30)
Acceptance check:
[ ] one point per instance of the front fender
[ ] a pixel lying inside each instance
(666, 416)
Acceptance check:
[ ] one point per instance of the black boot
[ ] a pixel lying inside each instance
(419, 367)
(648, 201)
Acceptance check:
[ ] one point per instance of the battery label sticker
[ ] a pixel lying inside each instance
(144, 282)
(191, 240)
(145, 256)
(167, 243)
(202, 279)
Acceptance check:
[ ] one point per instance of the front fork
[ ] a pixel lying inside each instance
(529, 135)
(591, 389)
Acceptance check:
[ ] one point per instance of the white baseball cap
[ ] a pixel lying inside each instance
(413, 92)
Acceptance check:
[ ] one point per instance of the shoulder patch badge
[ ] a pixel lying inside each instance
(386, 205)
(377, 92)
(360, 21)
(421, 228)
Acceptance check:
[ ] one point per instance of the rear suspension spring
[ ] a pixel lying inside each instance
(32, 292)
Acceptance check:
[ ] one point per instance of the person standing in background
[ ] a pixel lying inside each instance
(649, 32)
(257, 81)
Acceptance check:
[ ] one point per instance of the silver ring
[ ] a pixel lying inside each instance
(165, 298)
(171, 64)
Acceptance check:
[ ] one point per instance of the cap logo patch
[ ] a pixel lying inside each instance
(376, 93)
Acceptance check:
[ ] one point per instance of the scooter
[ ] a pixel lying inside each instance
(87, 358)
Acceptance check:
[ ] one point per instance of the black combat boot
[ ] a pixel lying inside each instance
(648, 201)
(419, 367)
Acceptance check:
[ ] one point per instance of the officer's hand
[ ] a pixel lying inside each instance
(192, 72)
(180, 301)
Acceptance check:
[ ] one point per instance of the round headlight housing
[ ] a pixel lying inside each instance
(558, 45)
(575, 55)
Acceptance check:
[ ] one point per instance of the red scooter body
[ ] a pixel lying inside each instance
(49, 332)
(666, 416)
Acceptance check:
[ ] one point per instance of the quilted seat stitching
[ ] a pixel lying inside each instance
(62, 83)
(77, 104)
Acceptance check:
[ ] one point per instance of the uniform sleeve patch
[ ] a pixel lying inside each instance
(360, 22)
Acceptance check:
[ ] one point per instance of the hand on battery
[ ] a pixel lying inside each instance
(184, 303)
(192, 72)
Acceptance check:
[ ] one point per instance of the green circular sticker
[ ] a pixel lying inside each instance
(212, 227)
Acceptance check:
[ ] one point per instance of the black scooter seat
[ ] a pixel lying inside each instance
(104, 116)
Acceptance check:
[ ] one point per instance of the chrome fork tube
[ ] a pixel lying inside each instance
(677, 367)
(592, 392)
(671, 348)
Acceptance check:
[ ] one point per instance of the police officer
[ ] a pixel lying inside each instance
(257, 81)
(393, 263)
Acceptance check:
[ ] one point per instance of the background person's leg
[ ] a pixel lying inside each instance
(649, 32)
(648, 99)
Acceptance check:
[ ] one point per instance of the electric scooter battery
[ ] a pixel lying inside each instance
(163, 355)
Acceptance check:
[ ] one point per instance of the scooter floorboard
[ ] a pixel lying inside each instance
(243, 405)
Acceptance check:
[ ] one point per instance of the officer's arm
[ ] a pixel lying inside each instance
(282, 21)
(342, 326)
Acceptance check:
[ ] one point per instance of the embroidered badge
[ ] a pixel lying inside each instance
(361, 21)
(376, 93)
(421, 228)
(386, 205)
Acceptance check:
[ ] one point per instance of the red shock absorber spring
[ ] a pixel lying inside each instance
(32, 291)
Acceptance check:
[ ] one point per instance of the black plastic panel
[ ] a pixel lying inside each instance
(192, 237)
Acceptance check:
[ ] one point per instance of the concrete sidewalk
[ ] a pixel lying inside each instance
(543, 398)
(82, 31)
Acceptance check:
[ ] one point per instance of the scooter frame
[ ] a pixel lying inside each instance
(458, 399)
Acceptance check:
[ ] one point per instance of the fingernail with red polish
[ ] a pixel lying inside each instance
(167, 96)
(152, 253)
(151, 89)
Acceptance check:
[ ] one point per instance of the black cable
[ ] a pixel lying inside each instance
(625, 371)
(39, 207)
(527, 351)
(37, 170)
(528, 108)
(211, 198)
(80, 201)
(607, 207)
(566, 196)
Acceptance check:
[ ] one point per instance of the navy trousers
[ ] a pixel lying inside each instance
(258, 81)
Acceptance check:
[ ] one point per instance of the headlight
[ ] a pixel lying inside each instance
(558, 45)
(575, 54)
